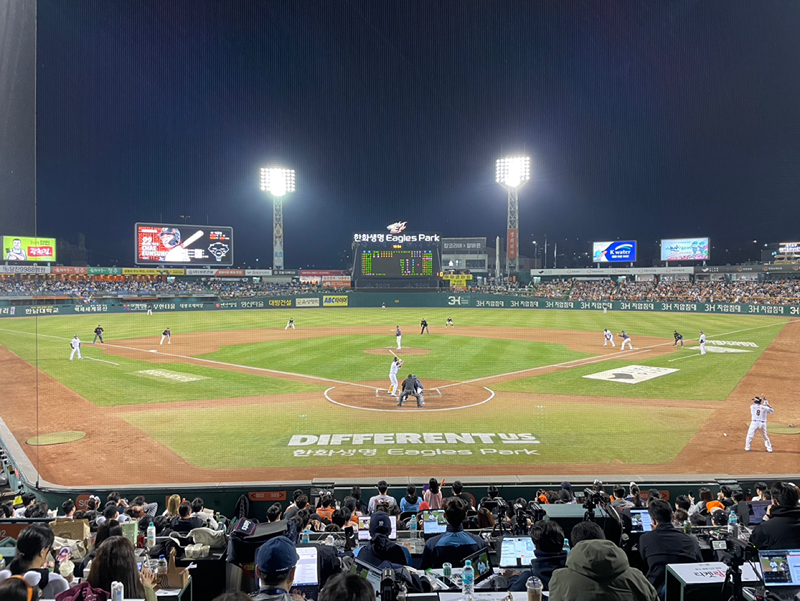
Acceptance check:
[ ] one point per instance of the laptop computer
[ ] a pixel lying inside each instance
(516, 552)
(368, 572)
(757, 510)
(641, 520)
(781, 571)
(363, 527)
(306, 577)
(433, 522)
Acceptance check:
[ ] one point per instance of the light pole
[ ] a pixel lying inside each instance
(278, 182)
(512, 173)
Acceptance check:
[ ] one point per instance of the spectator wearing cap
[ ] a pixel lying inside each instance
(380, 548)
(455, 544)
(665, 544)
(780, 528)
(381, 497)
(275, 567)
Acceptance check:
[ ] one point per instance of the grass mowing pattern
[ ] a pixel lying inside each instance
(452, 358)
(108, 385)
(261, 434)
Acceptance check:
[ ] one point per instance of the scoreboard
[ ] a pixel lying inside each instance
(392, 263)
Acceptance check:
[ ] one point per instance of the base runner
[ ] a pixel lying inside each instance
(759, 411)
(702, 343)
(75, 345)
(609, 337)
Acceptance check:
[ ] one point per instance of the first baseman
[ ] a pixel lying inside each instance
(702, 343)
(759, 411)
(98, 333)
(397, 363)
(75, 343)
(609, 337)
(625, 340)
(166, 334)
(399, 335)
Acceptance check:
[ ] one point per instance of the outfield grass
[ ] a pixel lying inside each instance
(453, 358)
(108, 385)
(712, 377)
(256, 436)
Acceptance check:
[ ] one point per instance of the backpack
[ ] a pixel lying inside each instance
(242, 508)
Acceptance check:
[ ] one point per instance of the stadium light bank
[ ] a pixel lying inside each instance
(512, 174)
(278, 182)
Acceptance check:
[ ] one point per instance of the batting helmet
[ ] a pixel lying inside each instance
(171, 231)
(757, 399)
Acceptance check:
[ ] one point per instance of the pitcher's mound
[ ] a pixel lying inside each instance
(405, 351)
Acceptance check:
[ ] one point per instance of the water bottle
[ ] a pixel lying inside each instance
(306, 537)
(565, 548)
(162, 564)
(687, 527)
(151, 536)
(468, 580)
(412, 526)
(117, 591)
(733, 524)
(330, 540)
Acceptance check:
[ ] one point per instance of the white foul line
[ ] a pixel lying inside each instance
(684, 357)
(491, 396)
(102, 361)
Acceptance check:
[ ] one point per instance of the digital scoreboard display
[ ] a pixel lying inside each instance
(166, 243)
(397, 263)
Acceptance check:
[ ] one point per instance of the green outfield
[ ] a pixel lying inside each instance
(234, 358)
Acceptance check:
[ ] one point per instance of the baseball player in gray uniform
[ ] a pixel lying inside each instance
(609, 337)
(759, 411)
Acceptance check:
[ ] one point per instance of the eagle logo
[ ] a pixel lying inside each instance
(396, 227)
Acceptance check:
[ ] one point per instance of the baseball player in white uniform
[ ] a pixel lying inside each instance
(397, 363)
(759, 411)
(75, 343)
(625, 340)
(609, 337)
(702, 343)
(383, 306)
(399, 335)
(290, 325)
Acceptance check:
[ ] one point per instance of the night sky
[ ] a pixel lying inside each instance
(643, 120)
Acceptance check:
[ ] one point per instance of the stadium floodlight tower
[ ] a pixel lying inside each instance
(512, 173)
(278, 182)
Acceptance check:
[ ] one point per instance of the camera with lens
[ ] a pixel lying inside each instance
(734, 551)
(391, 588)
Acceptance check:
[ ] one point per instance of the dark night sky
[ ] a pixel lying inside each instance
(644, 119)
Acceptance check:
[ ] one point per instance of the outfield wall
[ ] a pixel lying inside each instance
(401, 299)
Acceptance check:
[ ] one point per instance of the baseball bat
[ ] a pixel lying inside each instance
(192, 238)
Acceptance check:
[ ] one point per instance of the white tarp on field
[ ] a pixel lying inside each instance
(631, 374)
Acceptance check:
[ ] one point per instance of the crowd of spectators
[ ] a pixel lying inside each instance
(88, 288)
(589, 562)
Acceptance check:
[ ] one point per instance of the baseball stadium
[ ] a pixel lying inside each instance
(530, 271)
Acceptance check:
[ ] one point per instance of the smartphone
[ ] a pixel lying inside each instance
(139, 565)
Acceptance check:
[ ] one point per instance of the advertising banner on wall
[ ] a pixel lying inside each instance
(334, 301)
(192, 244)
(143, 271)
(685, 249)
(105, 270)
(513, 243)
(26, 248)
(69, 270)
(456, 246)
(619, 251)
(24, 269)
